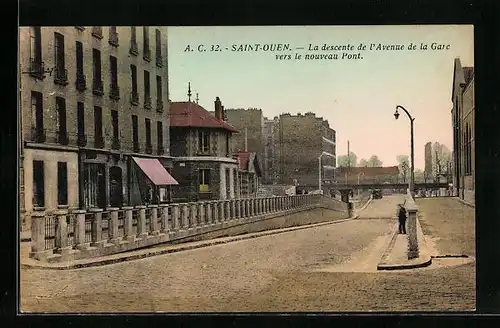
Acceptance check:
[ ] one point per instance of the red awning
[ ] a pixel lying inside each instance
(155, 171)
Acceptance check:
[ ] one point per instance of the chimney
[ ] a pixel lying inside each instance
(218, 109)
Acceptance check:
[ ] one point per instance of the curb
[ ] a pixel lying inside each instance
(466, 203)
(426, 261)
(213, 242)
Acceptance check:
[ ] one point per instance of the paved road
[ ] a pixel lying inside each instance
(383, 208)
(327, 268)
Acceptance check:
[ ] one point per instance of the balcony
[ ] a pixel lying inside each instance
(147, 55)
(97, 32)
(99, 142)
(159, 105)
(149, 149)
(98, 87)
(81, 82)
(147, 102)
(134, 50)
(115, 143)
(134, 98)
(80, 28)
(114, 91)
(159, 60)
(62, 138)
(113, 39)
(136, 147)
(61, 76)
(37, 69)
(81, 140)
(38, 135)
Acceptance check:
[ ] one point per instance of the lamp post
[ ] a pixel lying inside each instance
(412, 172)
(319, 168)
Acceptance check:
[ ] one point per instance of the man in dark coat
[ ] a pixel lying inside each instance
(402, 219)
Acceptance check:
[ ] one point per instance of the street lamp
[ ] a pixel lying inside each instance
(412, 173)
(319, 167)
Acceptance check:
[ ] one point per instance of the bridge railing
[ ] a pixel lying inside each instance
(64, 233)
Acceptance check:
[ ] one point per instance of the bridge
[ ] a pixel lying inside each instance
(429, 185)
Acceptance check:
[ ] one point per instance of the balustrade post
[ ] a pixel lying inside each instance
(164, 218)
(250, 207)
(193, 215)
(97, 228)
(80, 230)
(38, 235)
(141, 222)
(221, 211)
(227, 204)
(153, 220)
(113, 226)
(232, 204)
(413, 251)
(209, 206)
(185, 216)
(237, 209)
(201, 214)
(128, 224)
(61, 232)
(215, 218)
(175, 216)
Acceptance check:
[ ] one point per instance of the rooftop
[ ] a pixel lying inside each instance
(190, 114)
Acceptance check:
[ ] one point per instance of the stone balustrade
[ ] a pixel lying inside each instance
(97, 231)
(412, 210)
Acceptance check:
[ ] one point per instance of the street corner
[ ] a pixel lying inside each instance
(396, 255)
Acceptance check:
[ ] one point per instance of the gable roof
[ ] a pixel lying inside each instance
(190, 114)
(248, 161)
(369, 171)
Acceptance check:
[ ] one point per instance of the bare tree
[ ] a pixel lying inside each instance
(441, 160)
(404, 166)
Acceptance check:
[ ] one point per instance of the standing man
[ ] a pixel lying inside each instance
(402, 219)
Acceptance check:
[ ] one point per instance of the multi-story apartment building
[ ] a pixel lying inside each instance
(92, 99)
(270, 174)
(205, 165)
(299, 141)
(463, 115)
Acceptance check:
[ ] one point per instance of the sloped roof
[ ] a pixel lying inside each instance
(248, 161)
(190, 114)
(369, 171)
(468, 74)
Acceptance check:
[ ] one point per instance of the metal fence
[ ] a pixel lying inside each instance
(121, 223)
(106, 216)
(88, 227)
(71, 219)
(50, 232)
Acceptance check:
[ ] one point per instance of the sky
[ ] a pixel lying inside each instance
(358, 97)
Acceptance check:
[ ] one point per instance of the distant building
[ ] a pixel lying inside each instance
(463, 116)
(428, 175)
(270, 173)
(250, 124)
(249, 174)
(299, 141)
(204, 164)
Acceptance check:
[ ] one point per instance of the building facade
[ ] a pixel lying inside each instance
(299, 141)
(92, 97)
(250, 124)
(204, 163)
(249, 174)
(367, 175)
(463, 117)
(270, 174)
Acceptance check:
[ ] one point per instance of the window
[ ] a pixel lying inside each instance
(133, 70)
(159, 59)
(159, 135)
(37, 115)
(147, 122)
(38, 184)
(133, 41)
(203, 141)
(145, 31)
(99, 140)
(114, 71)
(204, 179)
(113, 36)
(60, 72)
(80, 120)
(36, 64)
(114, 123)
(97, 31)
(62, 183)
(80, 77)
(228, 150)
(159, 88)
(62, 135)
(96, 58)
(147, 89)
(135, 132)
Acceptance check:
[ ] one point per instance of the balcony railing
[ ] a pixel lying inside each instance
(115, 143)
(134, 98)
(62, 137)
(37, 69)
(136, 147)
(147, 55)
(114, 91)
(38, 135)
(98, 87)
(134, 50)
(147, 102)
(81, 82)
(97, 32)
(159, 60)
(81, 140)
(149, 149)
(113, 39)
(159, 105)
(60, 76)
(99, 142)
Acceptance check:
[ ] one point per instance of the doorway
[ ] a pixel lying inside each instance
(115, 186)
